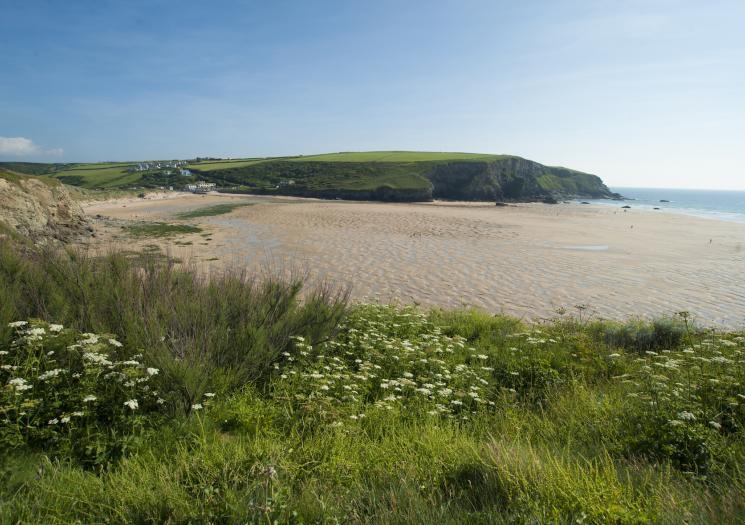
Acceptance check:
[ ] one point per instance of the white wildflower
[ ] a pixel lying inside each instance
(17, 324)
(19, 384)
(50, 374)
(197, 406)
(132, 403)
(152, 371)
(55, 328)
(686, 416)
(89, 399)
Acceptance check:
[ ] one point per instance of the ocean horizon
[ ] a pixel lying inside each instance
(722, 205)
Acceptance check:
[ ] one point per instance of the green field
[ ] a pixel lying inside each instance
(394, 156)
(98, 176)
(223, 164)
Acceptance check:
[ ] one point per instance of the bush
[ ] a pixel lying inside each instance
(640, 336)
(74, 395)
(683, 402)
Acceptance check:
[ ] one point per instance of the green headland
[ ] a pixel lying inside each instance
(371, 175)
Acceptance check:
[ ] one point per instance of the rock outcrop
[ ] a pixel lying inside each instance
(40, 209)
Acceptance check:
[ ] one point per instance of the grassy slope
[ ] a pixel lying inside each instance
(320, 176)
(102, 175)
(16, 178)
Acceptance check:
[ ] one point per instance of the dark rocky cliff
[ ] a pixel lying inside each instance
(512, 179)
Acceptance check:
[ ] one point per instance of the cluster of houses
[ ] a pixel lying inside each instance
(201, 187)
(145, 166)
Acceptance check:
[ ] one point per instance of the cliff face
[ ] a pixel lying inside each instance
(40, 210)
(513, 179)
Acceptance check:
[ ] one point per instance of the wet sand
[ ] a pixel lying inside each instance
(527, 260)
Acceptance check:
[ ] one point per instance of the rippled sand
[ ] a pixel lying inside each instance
(527, 260)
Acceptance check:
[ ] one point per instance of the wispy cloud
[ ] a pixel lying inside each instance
(23, 147)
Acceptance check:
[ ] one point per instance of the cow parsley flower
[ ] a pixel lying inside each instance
(132, 403)
(19, 384)
(686, 416)
(50, 374)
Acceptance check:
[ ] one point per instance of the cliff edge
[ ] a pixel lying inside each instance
(39, 209)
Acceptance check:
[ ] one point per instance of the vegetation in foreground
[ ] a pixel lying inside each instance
(139, 392)
(159, 229)
(210, 211)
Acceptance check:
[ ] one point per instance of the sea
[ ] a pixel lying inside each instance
(711, 204)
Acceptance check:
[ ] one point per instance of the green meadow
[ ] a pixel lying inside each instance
(394, 156)
(223, 164)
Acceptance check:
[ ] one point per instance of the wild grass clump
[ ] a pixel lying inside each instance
(641, 336)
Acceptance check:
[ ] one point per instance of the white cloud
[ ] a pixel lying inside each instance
(21, 147)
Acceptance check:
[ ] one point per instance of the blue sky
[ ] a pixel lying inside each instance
(647, 93)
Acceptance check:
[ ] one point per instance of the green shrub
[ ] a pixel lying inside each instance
(74, 395)
(683, 403)
(641, 335)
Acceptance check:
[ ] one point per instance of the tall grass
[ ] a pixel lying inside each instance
(204, 332)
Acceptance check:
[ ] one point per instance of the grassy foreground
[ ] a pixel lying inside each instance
(138, 392)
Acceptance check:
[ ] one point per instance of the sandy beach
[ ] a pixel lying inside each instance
(528, 260)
